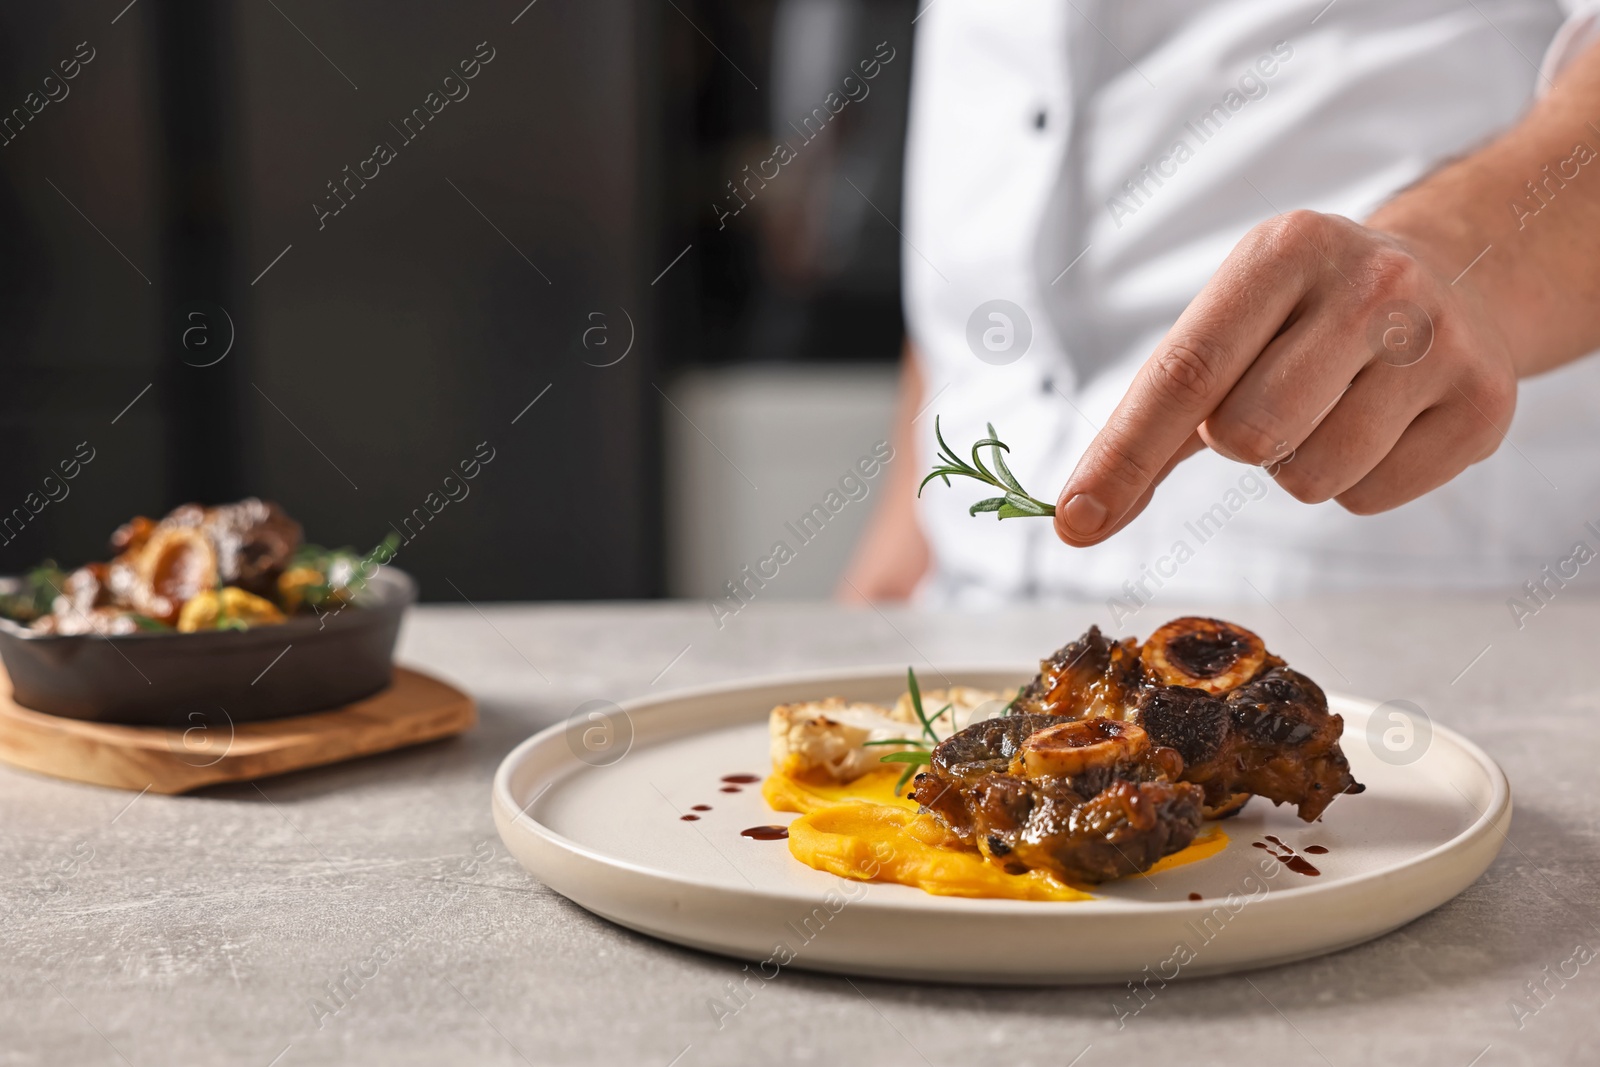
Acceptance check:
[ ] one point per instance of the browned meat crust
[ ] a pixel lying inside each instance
(1242, 721)
(1287, 743)
(1115, 811)
(1116, 751)
(1090, 677)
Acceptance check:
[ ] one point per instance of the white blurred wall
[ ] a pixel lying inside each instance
(752, 449)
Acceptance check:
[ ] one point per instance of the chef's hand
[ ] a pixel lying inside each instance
(1371, 363)
(1332, 354)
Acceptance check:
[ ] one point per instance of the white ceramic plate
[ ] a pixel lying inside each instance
(593, 807)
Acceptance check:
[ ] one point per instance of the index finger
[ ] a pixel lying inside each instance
(1208, 349)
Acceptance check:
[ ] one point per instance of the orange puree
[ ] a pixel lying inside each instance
(862, 830)
(783, 793)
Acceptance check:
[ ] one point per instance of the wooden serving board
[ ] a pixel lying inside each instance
(416, 708)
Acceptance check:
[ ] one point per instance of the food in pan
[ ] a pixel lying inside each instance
(230, 567)
(1118, 758)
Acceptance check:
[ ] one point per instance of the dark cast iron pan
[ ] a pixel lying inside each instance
(176, 680)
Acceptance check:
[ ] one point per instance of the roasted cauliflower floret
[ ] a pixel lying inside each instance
(826, 740)
(967, 706)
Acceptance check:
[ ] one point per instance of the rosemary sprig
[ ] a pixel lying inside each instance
(1014, 504)
(916, 705)
(921, 754)
(913, 759)
(35, 593)
(340, 570)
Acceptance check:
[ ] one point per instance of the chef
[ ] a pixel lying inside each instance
(1268, 297)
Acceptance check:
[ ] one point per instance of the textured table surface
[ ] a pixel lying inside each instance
(209, 928)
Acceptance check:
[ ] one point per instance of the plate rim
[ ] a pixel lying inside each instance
(503, 805)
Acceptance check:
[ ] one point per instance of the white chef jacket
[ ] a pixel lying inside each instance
(1044, 169)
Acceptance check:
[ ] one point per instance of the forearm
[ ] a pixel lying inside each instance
(1517, 224)
(900, 491)
(892, 554)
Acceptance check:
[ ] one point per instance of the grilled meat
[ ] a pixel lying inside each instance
(248, 543)
(1287, 743)
(1286, 752)
(1206, 654)
(1092, 677)
(1228, 808)
(1110, 759)
(175, 563)
(1087, 799)
(1242, 721)
(162, 565)
(255, 541)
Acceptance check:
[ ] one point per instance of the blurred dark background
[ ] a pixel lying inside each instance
(180, 299)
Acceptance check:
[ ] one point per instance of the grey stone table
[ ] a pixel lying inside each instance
(212, 929)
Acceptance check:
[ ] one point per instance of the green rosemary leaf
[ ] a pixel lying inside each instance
(912, 760)
(916, 705)
(994, 503)
(946, 452)
(1015, 504)
(1016, 507)
(1000, 468)
(977, 463)
(895, 741)
(35, 593)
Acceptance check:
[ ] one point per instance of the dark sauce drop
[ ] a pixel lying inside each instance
(1194, 896)
(731, 789)
(701, 807)
(1286, 856)
(690, 818)
(742, 779)
(1317, 850)
(766, 833)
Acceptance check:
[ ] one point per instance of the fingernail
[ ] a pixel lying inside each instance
(1083, 516)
